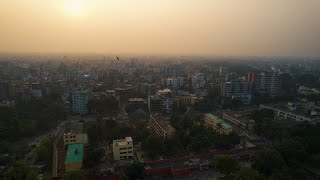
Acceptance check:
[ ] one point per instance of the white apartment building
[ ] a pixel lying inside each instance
(198, 80)
(174, 82)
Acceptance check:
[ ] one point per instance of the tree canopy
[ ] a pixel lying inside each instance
(248, 173)
(269, 161)
(226, 164)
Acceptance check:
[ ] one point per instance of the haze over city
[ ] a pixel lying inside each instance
(204, 27)
(160, 89)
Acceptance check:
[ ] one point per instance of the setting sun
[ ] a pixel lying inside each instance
(75, 7)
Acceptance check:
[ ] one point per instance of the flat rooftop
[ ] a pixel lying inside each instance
(242, 117)
(217, 120)
(165, 125)
(74, 153)
(75, 128)
(285, 107)
(122, 142)
(136, 100)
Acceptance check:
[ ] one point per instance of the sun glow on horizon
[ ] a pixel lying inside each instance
(75, 7)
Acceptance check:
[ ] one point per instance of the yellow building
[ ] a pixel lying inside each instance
(123, 148)
(74, 156)
(74, 135)
(217, 124)
(73, 138)
(182, 101)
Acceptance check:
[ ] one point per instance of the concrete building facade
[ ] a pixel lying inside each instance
(122, 149)
(160, 126)
(79, 102)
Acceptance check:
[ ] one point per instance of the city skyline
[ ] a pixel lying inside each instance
(206, 27)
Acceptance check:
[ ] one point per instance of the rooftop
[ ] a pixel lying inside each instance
(285, 107)
(122, 142)
(218, 121)
(163, 91)
(136, 99)
(74, 128)
(74, 153)
(165, 125)
(243, 117)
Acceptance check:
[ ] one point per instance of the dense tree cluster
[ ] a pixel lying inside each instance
(107, 129)
(133, 172)
(190, 136)
(105, 105)
(265, 125)
(44, 152)
(226, 164)
(93, 157)
(19, 171)
(30, 118)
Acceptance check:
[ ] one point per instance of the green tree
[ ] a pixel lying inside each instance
(153, 145)
(280, 176)
(93, 157)
(104, 105)
(134, 172)
(21, 171)
(44, 151)
(248, 173)
(226, 164)
(77, 175)
(269, 161)
(292, 150)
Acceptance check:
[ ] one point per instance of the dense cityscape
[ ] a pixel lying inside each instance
(160, 89)
(159, 117)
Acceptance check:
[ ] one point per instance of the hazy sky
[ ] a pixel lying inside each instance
(220, 27)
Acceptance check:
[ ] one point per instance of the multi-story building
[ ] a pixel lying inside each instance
(198, 81)
(307, 91)
(182, 100)
(4, 90)
(171, 71)
(137, 103)
(288, 113)
(251, 77)
(267, 84)
(122, 148)
(154, 104)
(231, 76)
(36, 92)
(54, 87)
(166, 100)
(238, 89)
(174, 82)
(217, 124)
(74, 157)
(146, 89)
(239, 119)
(79, 102)
(75, 135)
(161, 126)
(75, 138)
(194, 99)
